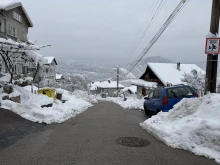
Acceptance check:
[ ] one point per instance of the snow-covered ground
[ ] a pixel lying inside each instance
(193, 124)
(131, 103)
(30, 107)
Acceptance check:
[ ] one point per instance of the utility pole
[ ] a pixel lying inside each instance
(38, 77)
(212, 60)
(117, 79)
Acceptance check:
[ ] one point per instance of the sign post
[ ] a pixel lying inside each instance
(212, 46)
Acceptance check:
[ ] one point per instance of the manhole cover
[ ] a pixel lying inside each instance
(132, 142)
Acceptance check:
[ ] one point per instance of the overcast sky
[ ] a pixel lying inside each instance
(105, 30)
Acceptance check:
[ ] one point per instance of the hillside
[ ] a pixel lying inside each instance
(141, 67)
(102, 72)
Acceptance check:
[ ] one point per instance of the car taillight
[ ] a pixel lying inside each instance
(165, 101)
(196, 94)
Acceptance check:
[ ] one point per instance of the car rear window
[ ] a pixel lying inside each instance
(179, 92)
(157, 94)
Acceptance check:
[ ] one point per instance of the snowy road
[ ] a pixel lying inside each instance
(90, 139)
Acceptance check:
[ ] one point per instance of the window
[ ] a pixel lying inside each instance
(47, 70)
(12, 31)
(51, 70)
(151, 94)
(179, 92)
(17, 17)
(15, 69)
(157, 94)
(25, 70)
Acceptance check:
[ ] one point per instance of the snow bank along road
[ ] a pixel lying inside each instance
(92, 138)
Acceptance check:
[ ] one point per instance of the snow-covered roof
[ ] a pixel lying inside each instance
(58, 76)
(132, 89)
(11, 4)
(94, 85)
(109, 84)
(143, 83)
(168, 72)
(50, 60)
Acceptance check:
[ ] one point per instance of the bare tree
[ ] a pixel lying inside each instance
(11, 50)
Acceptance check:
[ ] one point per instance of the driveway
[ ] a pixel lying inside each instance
(96, 137)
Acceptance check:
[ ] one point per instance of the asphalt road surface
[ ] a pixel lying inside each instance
(92, 138)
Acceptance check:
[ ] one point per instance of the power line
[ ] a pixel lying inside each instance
(160, 32)
(147, 25)
(143, 27)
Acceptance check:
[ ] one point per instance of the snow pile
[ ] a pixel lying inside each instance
(60, 91)
(28, 88)
(30, 107)
(130, 103)
(28, 79)
(85, 96)
(5, 78)
(15, 93)
(193, 124)
(28, 98)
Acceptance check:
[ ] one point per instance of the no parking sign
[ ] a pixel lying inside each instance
(212, 46)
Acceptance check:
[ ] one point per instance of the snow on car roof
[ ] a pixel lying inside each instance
(168, 72)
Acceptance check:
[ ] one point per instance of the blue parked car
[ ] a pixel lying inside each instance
(163, 99)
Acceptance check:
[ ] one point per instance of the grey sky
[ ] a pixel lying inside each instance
(105, 30)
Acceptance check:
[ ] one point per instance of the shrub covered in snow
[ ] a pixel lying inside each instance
(196, 80)
(193, 124)
(74, 81)
(46, 82)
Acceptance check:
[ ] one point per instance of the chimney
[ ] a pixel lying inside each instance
(178, 66)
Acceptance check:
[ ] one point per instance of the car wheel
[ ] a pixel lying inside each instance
(158, 110)
(145, 110)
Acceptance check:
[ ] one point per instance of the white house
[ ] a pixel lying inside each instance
(48, 70)
(108, 87)
(59, 77)
(165, 74)
(168, 73)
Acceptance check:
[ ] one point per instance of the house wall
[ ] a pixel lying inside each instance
(21, 27)
(139, 92)
(47, 72)
(20, 68)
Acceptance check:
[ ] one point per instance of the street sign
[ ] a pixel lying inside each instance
(212, 46)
